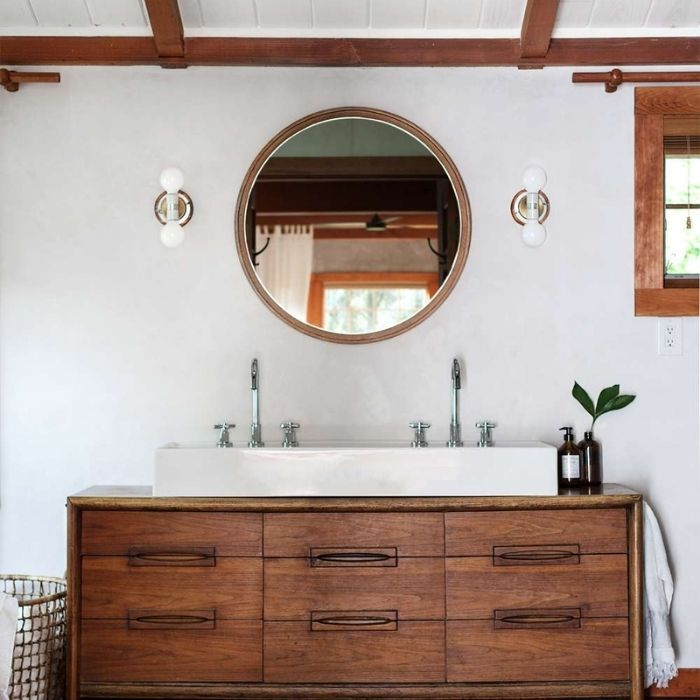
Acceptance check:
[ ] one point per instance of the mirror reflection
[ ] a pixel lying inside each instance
(352, 225)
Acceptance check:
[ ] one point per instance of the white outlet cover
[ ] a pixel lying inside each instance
(670, 336)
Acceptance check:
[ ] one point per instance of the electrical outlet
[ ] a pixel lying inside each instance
(670, 336)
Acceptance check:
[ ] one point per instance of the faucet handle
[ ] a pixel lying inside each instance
(485, 436)
(419, 436)
(290, 436)
(223, 429)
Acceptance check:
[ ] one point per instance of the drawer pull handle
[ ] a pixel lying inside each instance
(542, 554)
(537, 555)
(533, 619)
(185, 556)
(353, 557)
(171, 620)
(537, 619)
(356, 620)
(341, 556)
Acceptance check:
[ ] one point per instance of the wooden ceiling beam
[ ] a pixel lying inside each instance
(166, 25)
(234, 51)
(538, 24)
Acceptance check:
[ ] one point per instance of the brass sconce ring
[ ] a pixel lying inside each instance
(518, 207)
(185, 207)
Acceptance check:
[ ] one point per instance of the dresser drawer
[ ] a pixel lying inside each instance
(479, 652)
(113, 585)
(111, 651)
(407, 652)
(413, 586)
(119, 532)
(410, 534)
(595, 583)
(591, 531)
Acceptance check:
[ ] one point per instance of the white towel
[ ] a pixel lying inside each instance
(8, 628)
(658, 593)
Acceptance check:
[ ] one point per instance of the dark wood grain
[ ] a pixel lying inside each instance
(350, 167)
(313, 657)
(413, 653)
(412, 534)
(231, 652)
(537, 26)
(73, 598)
(476, 534)
(477, 652)
(666, 301)
(272, 51)
(116, 532)
(111, 587)
(685, 685)
(598, 586)
(651, 106)
(440, 691)
(612, 79)
(166, 25)
(415, 588)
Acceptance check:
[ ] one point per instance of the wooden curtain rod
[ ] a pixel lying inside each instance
(11, 79)
(616, 77)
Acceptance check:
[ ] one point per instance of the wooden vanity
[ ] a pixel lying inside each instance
(527, 597)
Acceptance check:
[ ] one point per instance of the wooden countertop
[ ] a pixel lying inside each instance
(141, 498)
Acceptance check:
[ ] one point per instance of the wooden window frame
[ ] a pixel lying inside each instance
(321, 280)
(651, 296)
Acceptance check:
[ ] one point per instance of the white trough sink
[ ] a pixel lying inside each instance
(506, 469)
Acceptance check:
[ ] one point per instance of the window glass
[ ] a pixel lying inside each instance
(682, 215)
(361, 309)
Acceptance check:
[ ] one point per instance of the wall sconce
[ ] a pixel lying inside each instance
(173, 207)
(530, 206)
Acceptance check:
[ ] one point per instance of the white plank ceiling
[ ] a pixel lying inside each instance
(352, 18)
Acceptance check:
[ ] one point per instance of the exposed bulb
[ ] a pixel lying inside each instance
(172, 179)
(534, 234)
(534, 178)
(171, 235)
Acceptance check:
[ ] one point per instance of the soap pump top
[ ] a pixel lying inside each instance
(568, 434)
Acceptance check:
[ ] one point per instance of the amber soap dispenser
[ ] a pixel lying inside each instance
(570, 461)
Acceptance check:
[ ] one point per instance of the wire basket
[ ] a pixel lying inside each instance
(39, 660)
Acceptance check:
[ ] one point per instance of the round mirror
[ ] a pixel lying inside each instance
(352, 225)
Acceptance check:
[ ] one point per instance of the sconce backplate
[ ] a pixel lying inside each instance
(518, 207)
(185, 207)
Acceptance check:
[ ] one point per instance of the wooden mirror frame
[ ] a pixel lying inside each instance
(452, 174)
(651, 296)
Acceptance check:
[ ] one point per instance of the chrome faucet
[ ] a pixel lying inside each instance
(419, 428)
(223, 429)
(290, 436)
(485, 436)
(255, 434)
(455, 427)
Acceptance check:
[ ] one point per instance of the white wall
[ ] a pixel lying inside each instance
(112, 345)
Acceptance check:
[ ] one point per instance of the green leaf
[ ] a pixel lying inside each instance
(617, 403)
(606, 396)
(579, 393)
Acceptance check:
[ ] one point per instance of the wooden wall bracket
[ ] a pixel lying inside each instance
(616, 77)
(11, 79)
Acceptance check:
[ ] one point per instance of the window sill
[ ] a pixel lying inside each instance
(669, 301)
